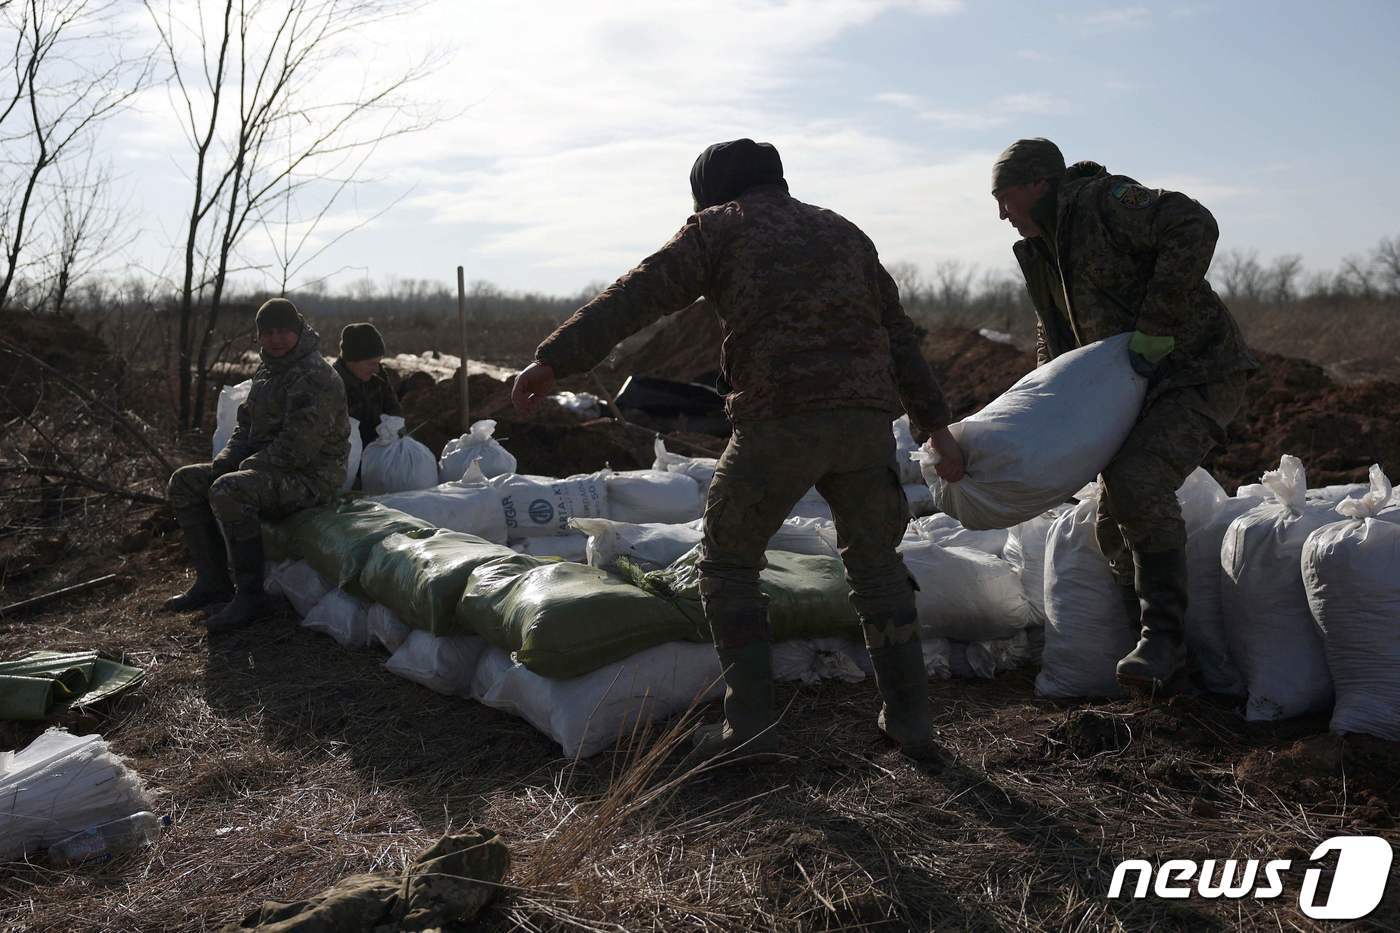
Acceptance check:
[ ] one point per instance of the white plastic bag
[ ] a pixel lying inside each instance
(342, 617)
(226, 414)
(385, 628)
(1042, 439)
(393, 463)
(1268, 624)
(584, 404)
(477, 444)
(1025, 551)
(61, 784)
(1086, 629)
(301, 584)
(904, 448)
(469, 505)
(805, 536)
(443, 663)
(700, 469)
(650, 545)
(352, 462)
(964, 594)
(811, 660)
(1351, 572)
(543, 506)
(590, 713)
(639, 496)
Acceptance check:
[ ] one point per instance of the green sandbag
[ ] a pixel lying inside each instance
(336, 540)
(808, 596)
(420, 575)
(562, 619)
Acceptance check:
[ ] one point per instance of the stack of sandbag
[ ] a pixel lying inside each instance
(336, 540)
(542, 505)
(965, 594)
(1043, 439)
(477, 445)
(700, 469)
(1268, 623)
(421, 575)
(1351, 573)
(469, 505)
(648, 545)
(647, 496)
(947, 531)
(1025, 552)
(394, 462)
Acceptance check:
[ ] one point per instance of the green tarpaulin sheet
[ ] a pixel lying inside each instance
(42, 683)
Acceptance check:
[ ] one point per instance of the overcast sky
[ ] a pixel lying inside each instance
(577, 124)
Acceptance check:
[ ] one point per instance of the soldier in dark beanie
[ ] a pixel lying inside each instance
(368, 392)
(287, 453)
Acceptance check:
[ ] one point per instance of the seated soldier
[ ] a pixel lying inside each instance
(367, 390)
(287, 453)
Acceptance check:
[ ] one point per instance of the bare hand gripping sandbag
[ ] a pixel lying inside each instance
(1042, 439)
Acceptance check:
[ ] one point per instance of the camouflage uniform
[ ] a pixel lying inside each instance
(366, 400)
(1117, 257)
(287, 451)
(820, 357)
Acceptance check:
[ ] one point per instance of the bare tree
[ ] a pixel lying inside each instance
(1240, 274)
(1386, 263)
(261, 127)
(69, 75)
(1280, 280)
(909, 279)
(952, 284)
(88, 228)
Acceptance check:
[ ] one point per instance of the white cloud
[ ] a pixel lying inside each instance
(1130, 17)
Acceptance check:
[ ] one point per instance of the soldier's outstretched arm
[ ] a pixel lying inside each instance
(918, 389)
(1180, 233)
(665, 282)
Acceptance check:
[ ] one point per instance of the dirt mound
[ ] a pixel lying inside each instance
(58, 341)
(1366, 768)
(971, 369)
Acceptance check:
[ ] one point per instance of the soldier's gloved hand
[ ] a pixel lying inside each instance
(949, 464)
(1146, 352)
(532, 384)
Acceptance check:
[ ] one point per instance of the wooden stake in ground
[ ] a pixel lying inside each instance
(48, 597)
(462, 322)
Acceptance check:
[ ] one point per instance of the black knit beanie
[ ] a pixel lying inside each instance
(279, 314)
(360, 342)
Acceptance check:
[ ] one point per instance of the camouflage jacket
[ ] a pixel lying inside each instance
(810, 319)
(367, 400)
(1132, 258)
(294, 420)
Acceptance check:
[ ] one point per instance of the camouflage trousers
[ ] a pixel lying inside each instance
(242, 498)
(848, 455)
(1139, 510)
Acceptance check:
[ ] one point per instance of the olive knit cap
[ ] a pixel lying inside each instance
(360, 342)
(1025, 161)
(279, 314)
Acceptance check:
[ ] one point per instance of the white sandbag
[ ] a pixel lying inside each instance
(1025, 552)
(570, 547)
(61, 784)
(1337, 493)
(1045, 437)
(468, 505)
(543, 506)
(352, 462)
(1086, 629)
(226, 412)
(640, 496)
(811, 506)
(300, 583)
(1201, 499)
(342, 617)
(1208, 650)
(386, 629)
(443, 663)
(477, 444)
(965, 594)
(1268, 623)
(947, 531)
(985, 659)
(393, 463)
(920, 499)
(811, 660)
(805, 536)
(904, 448)
(700, 469)
(1351, 572)
(590, 713)
(650, 546)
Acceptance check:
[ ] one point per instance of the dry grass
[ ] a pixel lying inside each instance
(287, 763)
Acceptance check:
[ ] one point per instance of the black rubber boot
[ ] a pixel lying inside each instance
(1132, 606)
(212, 583)
(897, 653)
(1160, 655)
(249, 598)
(749, 726)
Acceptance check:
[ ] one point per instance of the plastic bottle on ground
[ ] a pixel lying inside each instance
(102, 842)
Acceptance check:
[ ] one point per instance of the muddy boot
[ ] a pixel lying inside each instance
(1160, 655)
(210, 559)
(249, 599)
(898, 655)
(748, 727)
